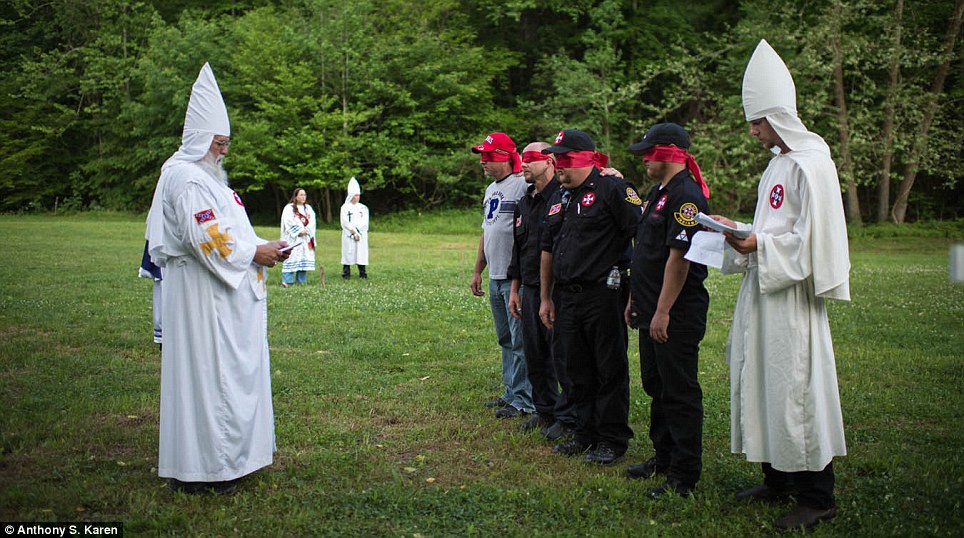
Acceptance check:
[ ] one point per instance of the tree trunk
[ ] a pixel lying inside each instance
(843, 123)
(883, 185)
(326, 203)
(899, 211)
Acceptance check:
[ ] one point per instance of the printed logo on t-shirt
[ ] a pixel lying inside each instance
(660, 203)
(588, 199)
(203, 216)
(687, 214)
(776, 196)
(495, 206)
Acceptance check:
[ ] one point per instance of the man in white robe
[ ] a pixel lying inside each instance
(785, 406)
(216, 420)
(354, 227)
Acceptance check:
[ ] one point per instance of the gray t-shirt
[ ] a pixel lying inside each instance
(498, 208)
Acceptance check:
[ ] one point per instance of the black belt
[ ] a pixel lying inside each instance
(579, 287)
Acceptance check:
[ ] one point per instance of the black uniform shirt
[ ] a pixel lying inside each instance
(669, 221)
(588, 229)
(530, 213)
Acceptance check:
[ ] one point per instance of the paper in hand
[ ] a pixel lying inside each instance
(707, 221)
(707, 249)
(289, 247)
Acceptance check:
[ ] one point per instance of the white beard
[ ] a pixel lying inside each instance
(212, 164)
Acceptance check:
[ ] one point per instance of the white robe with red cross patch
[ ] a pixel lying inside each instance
(217, 420)
(784, 401)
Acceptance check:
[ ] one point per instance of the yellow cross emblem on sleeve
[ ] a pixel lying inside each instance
(219, 241)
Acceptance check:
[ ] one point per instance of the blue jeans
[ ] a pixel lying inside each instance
(300, 276)
(508, 330)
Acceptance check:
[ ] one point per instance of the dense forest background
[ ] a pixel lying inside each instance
(395, 92)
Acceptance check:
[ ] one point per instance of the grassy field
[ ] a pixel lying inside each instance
(378, 392)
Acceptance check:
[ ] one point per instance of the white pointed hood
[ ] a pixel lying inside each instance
(206, 116)
(769, 92)
(767, 85)
(353, 189)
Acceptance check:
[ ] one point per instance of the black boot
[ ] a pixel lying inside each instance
(361, 272)
(346, 271)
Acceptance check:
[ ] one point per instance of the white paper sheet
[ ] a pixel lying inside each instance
(707, 249)
(705, 220)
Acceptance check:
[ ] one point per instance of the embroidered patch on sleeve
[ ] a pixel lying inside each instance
(203, 216)
(555, 209)
(687, 214)
(237, 199)
(632, 197)
(219, 241)
(776, 197)
(518, 221)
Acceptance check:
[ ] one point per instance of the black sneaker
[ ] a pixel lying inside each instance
(805, 518)
(765, 494)
(557, 431)
(604, 454)
(672, 486)
(498, 402)
(535, 421)
(644, 470)
(509, 412)
(571, 447)
(201, 488)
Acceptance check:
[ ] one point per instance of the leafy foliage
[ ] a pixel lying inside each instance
(394, 92)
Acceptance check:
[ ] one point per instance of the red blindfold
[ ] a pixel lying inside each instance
(581, 159)
(500, 156)
(673, 154)
(532, 156)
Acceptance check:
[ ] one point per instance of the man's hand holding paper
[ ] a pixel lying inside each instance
(721, 224)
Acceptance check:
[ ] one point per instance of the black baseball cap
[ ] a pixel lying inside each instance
(571, 140)
(662, 134)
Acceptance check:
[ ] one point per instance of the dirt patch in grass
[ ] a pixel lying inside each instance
(10, 332)
(133, 421)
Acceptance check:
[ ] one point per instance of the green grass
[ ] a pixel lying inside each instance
(378, 391)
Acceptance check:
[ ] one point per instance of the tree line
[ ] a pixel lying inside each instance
(394, 92)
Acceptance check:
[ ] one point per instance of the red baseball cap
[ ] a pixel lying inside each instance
(495, 141)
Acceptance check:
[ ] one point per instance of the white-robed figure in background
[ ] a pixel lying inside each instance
(354, 227)
(784, 401)
(298, 228)
(216, 421)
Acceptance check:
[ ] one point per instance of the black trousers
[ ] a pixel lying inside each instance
(813, 489)
(669, 373)
(544, 372)
(588, 339)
